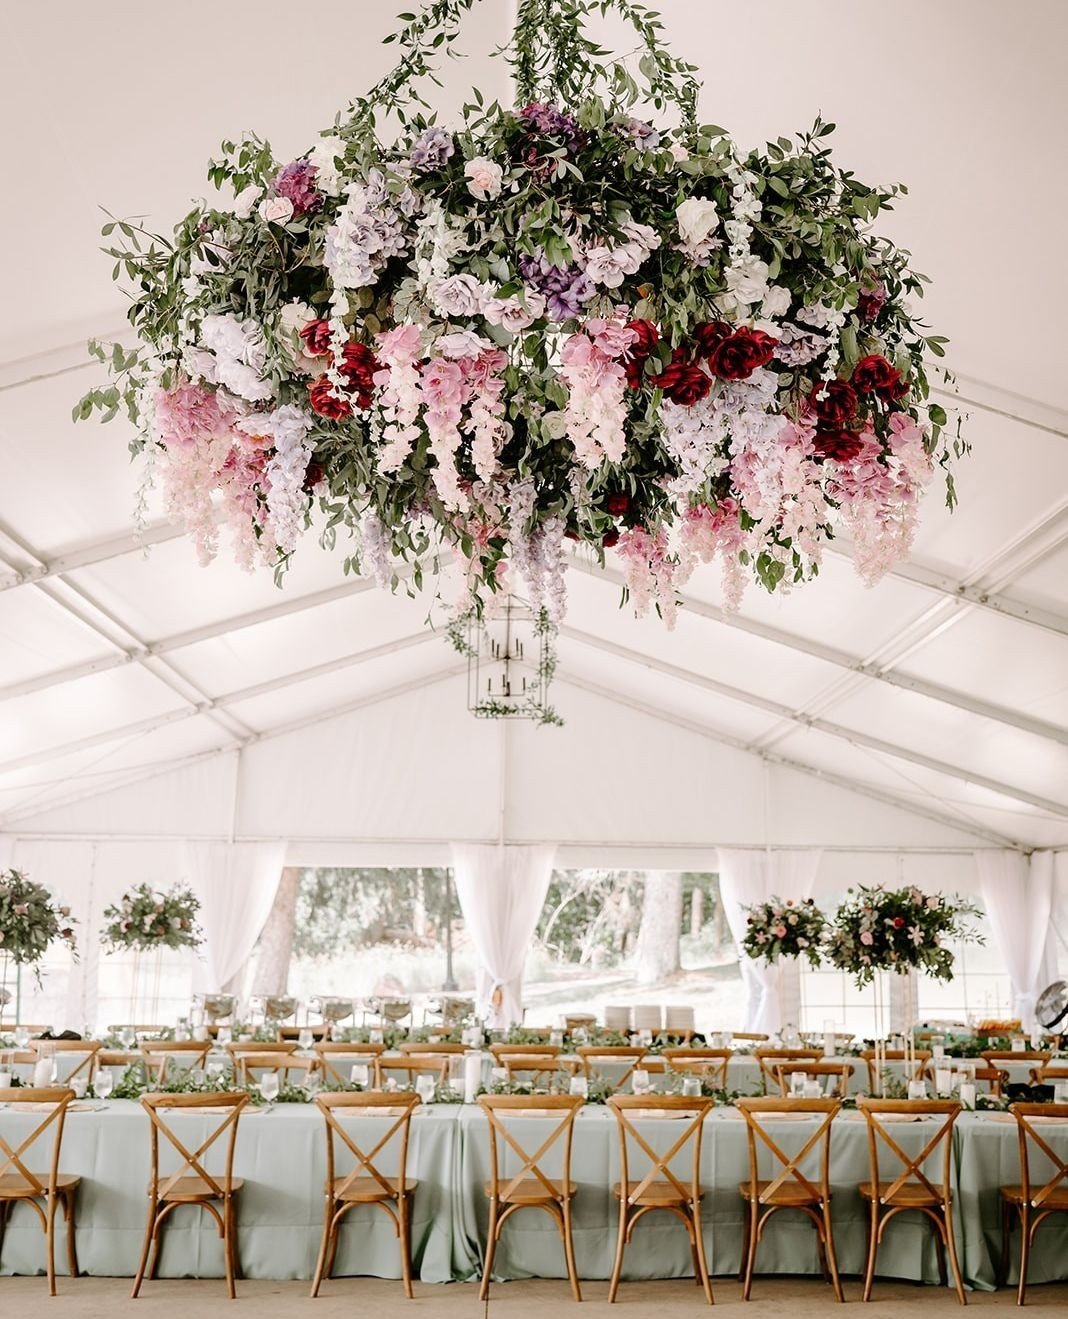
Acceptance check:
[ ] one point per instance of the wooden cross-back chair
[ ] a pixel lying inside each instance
(428, 1047)
(660, 1188)
(912, 1188)
(1034, 1199)
(994, 1078)
(250, 1065)
(236, 1048)
(1049, 1073)
(769, 1058)
(789, 1187)
(921, 1056)
(540, 1061)
(366, 1184)
(192, 1184)
(411, 1066)
(319, 1032)
(159, 1055)
(817, 1069)
(337, 1059)
(20, 1184)
(710, 1064)
(590, 1055)
(530, 1187)
(86, 1050)
(999, 1057)
(753, 1036)
(13, 1058)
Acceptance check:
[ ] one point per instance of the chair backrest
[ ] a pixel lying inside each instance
(319, 1032)
(1049, 1072)
(393, 1111)
(994, 1077)
(54, 1100)
(159, 1107)
(158, 1056)
(647, 1016)
(711, 1063)
(768, 1058)
(280, 1063)
(85, 1050)
(627, 1109)
(591, 1055)
(788, 1169)
(540, 1065)
(1038, 1193)
(336, 1060)
(816, 1068)
(679, 1019)
(433, 1048)
(881, 1114)
(118, 1058)
(573, 1020)
(499, 1108)
(237, 1047)
(411, 1066)
(922, 1058)
(755, 1035)
(995, 1057)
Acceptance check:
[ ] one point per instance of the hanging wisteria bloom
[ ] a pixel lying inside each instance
(549, 325)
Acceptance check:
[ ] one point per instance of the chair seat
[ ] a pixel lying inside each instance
(13, 1187)
(190, 1189)
(790, 1193)
(368, 1190)
(911, 1194)
(531, 1191)
(1058, 1200)
(658, 1192)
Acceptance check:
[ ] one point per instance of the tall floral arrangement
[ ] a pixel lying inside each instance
(145, 919)
(548, 323)
(784, 928)
(877, 929)
(30, 920)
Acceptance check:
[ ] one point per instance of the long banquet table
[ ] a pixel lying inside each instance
(281, 1156)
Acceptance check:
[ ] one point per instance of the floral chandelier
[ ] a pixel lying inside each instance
(552, 323)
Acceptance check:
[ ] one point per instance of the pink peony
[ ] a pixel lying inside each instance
(867, 938)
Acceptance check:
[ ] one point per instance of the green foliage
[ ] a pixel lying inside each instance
(145, 919)
(30, 920)
(342, 909)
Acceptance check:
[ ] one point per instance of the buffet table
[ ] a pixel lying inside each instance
(280, 1154)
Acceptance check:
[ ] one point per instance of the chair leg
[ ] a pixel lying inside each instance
(699, 1252)
(1025, 1253)
(324, 1246)
(750, 1257)
(954, 1264)
(873, 1246)
(149, 1233)
(72, 1250)
(228, 1254)
(621, 1242)
(569, 1251)
(491, 1250)
(404, 1225)
(231, 1228)
(940, 1253)
(745, 1241)
(832, 1258)
(1006, 1237)
(50, 1242)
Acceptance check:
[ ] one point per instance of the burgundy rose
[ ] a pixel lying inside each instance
(840, 445)
(692, 385)
(709, 336)
(836, 405)
(617, 505)
(610, 538)
(899, 921)
(358, 367)
(871, 301)
(673, 372)
(639, 351)
(325, 402)
(874, 374)
(316, 336)
(313, 475)
(740, 354)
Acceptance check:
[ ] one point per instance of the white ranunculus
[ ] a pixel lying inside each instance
(199, 363)
(276, 210)
(697, 217)
(324, 155)
(747, 279)
(484, 178)
(776, 301)
(458, 295)
(246, 199)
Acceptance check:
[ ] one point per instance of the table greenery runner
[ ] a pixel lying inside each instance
(554, 322)
(145, 919)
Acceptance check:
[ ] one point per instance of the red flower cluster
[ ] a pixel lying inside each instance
(357, 368)
(323, 400)
(840, 445)
(730, 355)
(875, 375)
(316, 336)
(640, 351)
(836, 406)
(682, 380)
(733, 354)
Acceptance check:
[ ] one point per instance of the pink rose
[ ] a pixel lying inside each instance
(779, 931)
(484, 177)
(867, 938)
(276, 210)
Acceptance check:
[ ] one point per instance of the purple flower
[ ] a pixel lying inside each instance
(550, 122)
(296, 182)
(644, 135)
(431, 149)
(566, 291)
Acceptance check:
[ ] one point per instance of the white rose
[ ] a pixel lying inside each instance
(511, 313)
(245, 200)
(776, 301)
(276, 210)
(484, 177)
(198, 362)
(463, 343)
(458, 295)
(747, 279)
(324, 155)
(697, 218)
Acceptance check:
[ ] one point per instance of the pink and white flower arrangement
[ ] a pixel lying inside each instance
(784, 928)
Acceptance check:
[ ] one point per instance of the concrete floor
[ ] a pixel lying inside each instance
(103, 1298)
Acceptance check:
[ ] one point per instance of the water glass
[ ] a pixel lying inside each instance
(22, 1037)
(797, 1084)
(691, 1086)
(5, 1076)
(224, 1035)
(376, 1035)
(269, 1086)
(639, 1081)
(579, 1085)
(103, 1083)
(918, 1089)
(499, 1075)
(127, 1037)
(556, 1039)
(305, 1039)
(425, 1088)
(78, 1084)
(359, 1074)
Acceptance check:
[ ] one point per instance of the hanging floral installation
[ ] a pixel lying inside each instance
(784, 928)
(553, 323)
(145, 919)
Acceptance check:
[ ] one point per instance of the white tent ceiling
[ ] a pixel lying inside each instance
(142, 695)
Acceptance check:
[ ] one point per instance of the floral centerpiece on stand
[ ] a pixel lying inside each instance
(30, 922)
(901, 930)
(145, 919)
(553, 323)
(784, 928)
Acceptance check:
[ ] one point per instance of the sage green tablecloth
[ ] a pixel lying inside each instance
(281, 1157)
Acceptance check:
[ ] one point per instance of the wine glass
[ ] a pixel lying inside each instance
(305, 1039)
(269, 1087)
(22, 1037)
(127, 1037)
(312, 1082)
(103, 1083)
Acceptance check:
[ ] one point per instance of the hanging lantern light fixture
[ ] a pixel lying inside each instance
(510, 661)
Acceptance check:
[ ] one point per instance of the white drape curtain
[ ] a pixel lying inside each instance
(746, 877)
(7, 851)
(236, 884)
(1017, 893)
(502, 891)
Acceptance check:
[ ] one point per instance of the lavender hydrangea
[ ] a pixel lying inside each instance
(431, 149)
(566, 290)
(296, 181)
(550, 122)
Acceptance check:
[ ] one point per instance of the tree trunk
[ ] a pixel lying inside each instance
(657, 954)
(697, 909)
(276, 941)
(719, 922)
